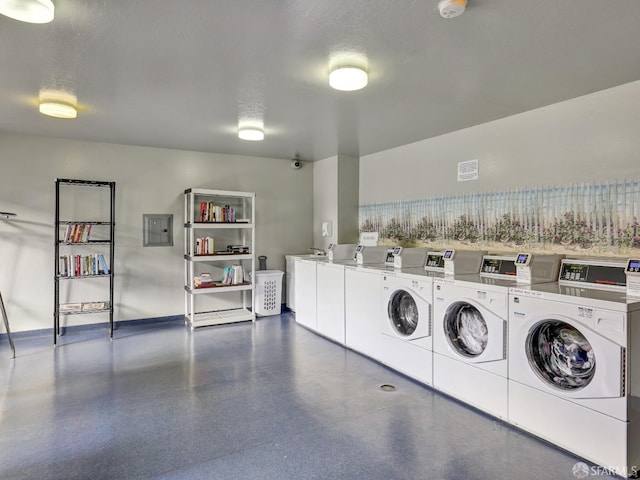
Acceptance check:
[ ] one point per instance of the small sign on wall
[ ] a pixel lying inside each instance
(468, 170)
(369, 239)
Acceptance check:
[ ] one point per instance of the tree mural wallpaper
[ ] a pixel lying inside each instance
(580, 219)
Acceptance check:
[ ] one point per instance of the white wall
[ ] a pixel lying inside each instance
(149, 281)
(348, 195)
(595, 137)
(325, 200)
(335, 199)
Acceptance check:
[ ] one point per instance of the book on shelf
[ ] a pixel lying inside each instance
(93, 306)
(211, 213)
(70, 307)
(82, 307)
(103, 264)
(82, 265)
(204, 246)
(233, 275)
(77, 233)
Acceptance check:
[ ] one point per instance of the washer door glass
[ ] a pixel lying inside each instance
(560, 355)
(403, 312)
(466, 329)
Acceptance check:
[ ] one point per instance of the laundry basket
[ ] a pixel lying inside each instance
(268, 292)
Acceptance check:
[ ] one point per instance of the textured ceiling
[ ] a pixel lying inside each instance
(180, 74)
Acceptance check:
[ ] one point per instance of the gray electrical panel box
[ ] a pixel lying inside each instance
(157, 230)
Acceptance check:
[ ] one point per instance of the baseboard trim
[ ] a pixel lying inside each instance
(95, 326)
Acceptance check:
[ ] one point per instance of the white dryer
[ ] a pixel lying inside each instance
(574, 371)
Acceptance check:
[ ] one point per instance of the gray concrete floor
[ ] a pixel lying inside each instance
(268, 400)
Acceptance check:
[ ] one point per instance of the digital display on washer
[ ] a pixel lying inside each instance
(633, 266)
(448, 254)
(594, 274)
(435, 260)
(397, 250)
(498, 266)
(522, 259)
(575, 272)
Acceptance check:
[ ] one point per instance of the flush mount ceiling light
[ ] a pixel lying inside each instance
(253, 134)
(348, 78)
(58, 104)
(31, 11)
(452, 8)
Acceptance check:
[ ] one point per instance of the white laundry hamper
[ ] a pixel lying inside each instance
(268, 292)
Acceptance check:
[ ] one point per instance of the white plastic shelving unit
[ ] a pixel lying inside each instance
(219, 303)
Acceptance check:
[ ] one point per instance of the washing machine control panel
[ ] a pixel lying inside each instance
(391, 255)
(595, 274)
(435, 261)
(493, 265)
(633, 267)
(632, 272)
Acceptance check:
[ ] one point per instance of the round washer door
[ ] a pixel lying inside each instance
(473, 333)
(560, 355)
(466, 329)
(403, 313)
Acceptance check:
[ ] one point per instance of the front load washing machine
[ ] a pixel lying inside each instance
(406, 323)
(407, 310)
(574, 371)
(469, 338)
(470, 333)
(407, 300)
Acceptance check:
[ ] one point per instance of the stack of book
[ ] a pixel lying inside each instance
(203, 280)
(215, 213)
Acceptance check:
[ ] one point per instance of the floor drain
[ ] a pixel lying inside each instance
(387, 388)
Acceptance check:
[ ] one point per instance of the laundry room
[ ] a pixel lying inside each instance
(453, 243)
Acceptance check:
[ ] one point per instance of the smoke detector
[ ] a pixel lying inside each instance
(452, 8)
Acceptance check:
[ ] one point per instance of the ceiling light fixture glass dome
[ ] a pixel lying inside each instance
(58, 104)
(30, 11)
(348, 78)
(253, 134)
